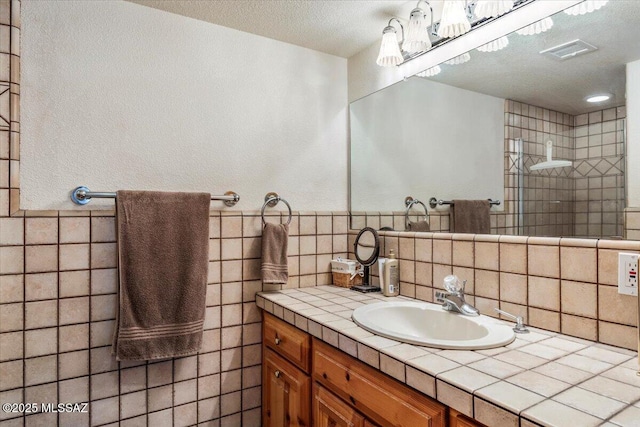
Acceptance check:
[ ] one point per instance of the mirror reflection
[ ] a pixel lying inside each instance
(477, 129)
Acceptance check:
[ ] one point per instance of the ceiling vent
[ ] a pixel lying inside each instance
(569, 50)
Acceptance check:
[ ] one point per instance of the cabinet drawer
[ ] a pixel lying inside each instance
(379, 397)
(286, 340)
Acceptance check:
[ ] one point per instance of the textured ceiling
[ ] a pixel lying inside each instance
(519, 72)
(337, 27)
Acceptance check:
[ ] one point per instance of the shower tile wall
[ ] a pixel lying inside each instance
(548, 194)
(586, 201)
(599, 173)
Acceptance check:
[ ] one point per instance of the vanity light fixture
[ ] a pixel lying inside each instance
(430, 72)
(491, 8)
(417, 39)
(585, 7)
(598, 98)
(454, 20)
(390, 54)
(495, 45)
(537, 27)
(460, 59)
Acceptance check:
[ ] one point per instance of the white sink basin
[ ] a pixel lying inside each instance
(429, 325)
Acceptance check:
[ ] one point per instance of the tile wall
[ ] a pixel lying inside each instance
(559, 284)
(57, 311)
(599, 176)
(58, 301)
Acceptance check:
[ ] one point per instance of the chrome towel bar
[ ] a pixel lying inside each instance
(82, 195)
(433, 202)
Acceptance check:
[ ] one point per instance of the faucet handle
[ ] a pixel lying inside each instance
(519, 328)
(454, 285)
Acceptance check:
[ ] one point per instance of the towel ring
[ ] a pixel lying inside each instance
(409, 202)
(272, 199)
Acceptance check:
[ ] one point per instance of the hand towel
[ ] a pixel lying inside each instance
(163, 257)
(470, 216)
(418, 226)
(275, 238)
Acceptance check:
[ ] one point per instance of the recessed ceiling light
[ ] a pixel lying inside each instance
(598, 98)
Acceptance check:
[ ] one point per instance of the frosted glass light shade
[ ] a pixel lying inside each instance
(587, 6)
(461, 59)
(390, 54)
(491, 8)
(454, 20)
(495, 45)
(417, 39)
(430, 72)
(537, 27)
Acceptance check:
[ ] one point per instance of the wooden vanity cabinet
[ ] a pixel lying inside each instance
(306, 382)
(286, 384)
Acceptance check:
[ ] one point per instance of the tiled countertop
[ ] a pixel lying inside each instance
(542, 378)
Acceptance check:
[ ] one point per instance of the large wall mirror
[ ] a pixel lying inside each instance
(473, 128)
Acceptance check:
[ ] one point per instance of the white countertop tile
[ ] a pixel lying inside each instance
(555, 414)
(538, 383)
(589, 402)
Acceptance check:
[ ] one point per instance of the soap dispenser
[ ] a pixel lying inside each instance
(391, 279)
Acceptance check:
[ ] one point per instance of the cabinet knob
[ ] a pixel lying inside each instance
(277, 374)
(277, 341)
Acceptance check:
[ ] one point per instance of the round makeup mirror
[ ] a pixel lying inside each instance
(366, 249)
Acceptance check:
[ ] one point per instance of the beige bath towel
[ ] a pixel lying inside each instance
(418, 226)
(470, 216)
(275, 238)
(163, 256)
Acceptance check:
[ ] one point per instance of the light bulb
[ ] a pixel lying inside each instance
(491, 8)
(495, 45)
(537, 27)
(430, 72)
(417, 39)
(454, 20)
(390, 54)
(461, 59)
(587, 6)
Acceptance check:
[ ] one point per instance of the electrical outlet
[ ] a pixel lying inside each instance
(627, 274)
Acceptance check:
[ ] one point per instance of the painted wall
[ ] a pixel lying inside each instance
(120, 96)
(425, 139)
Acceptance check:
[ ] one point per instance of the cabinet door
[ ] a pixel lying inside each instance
(330, 411)
(286, 393)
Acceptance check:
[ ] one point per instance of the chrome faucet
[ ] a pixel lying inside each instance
(453, 300)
